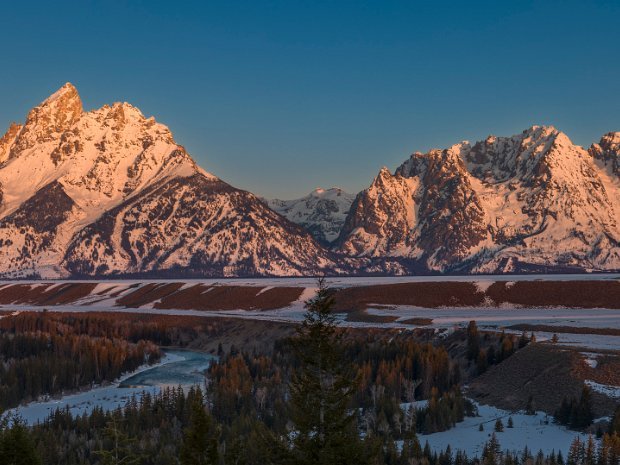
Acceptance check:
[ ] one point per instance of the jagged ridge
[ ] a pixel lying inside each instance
(530, 202)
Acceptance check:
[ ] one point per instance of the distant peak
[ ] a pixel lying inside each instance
(542, 129)
(64, 106)
(611, 138)
(322, 191)
(384, 174)
(67, 91)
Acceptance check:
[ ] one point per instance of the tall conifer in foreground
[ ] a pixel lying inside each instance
(200, 439)
(321, 390)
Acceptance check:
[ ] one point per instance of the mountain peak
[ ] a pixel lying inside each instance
(54, 115)
(68, 90)
(322, 192)
(609, 140)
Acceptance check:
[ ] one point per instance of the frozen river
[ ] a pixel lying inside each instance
(177, 367)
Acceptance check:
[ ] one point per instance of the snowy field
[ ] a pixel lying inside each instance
(445, 319)
(537, 432)
(339, 281)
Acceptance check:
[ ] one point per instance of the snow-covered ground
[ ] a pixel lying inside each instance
(108, 397)
(537, 432)
(609, 391)
(500, 318)
(345, 281)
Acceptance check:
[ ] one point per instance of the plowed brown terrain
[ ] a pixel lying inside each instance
(45, 293)
(223, 296)
(585, 294)
(426, 294)
(148, 293)
(201, 297)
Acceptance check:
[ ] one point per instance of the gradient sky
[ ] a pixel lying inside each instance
(279, 97)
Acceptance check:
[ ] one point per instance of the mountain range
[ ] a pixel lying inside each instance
(110, 192)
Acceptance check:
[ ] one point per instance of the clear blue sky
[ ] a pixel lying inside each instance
(279, 97)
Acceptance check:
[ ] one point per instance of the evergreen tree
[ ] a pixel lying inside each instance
(499, 426)
(582, 415)
(473, 341)
(200, 439)
(16, 445)
(121, 450)
(530, 408)
(491, 454)
(321, 390)
(576, 453)
(614, 426)
(590, 452)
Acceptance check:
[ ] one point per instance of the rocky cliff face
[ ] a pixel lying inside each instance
(608, 151)
(534, 201)
(109, 191)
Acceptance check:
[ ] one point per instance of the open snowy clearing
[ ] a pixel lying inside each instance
(537, 432)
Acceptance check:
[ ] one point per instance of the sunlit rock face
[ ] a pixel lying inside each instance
(531, 202)
(109, 191)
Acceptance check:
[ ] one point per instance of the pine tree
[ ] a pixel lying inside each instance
(473, 341)
(614, 426)
(121, 451)
(590, 452)
(200, 437)
(321, 390)
(576, 452)
(499, 426)
(16, 444)
(582, 415)
(492, 452)
(510, 423)
(530, 408)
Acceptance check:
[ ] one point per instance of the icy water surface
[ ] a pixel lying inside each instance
(187, 370)
(177, 367)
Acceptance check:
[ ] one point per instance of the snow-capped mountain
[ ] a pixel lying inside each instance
(110, 191)
(530, 202)
(322, 212)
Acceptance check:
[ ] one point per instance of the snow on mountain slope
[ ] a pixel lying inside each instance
(66, 173)
(322, 212)
(527, 202)
(199, 226)
(109, 191)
